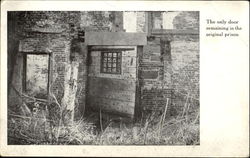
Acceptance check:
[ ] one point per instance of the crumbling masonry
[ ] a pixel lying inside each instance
(93, 61)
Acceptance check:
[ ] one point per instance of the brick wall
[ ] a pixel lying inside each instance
(185, 69)
(151, 69)
(185, 62)
(60, 52)
(168, 66)
(54, 32)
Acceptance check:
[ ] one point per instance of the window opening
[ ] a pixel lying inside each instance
(111, 62)
(36, 75)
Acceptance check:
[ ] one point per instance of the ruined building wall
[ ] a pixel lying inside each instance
(185, 67)
(38, 33)
(49, 32)
(155, 87)
(185, 53)
(111, 21)
(169, 66)
(186, 20)
(53, 32)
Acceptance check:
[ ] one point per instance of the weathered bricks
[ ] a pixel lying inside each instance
(169, 63)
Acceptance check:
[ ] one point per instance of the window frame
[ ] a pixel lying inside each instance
(24, 79)
(118, 62)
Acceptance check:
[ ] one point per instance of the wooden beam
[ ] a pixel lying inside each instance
(138, 106)
(115, 38)
(112, 49)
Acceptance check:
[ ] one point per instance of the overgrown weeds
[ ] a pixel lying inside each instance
(39, 128)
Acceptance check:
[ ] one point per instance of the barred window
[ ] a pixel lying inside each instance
(111, 62)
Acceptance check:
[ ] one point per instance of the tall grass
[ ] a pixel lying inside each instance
(175, 131)
(39, 128)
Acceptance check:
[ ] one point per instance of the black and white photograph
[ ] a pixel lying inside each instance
(103, 78)
(124, 78)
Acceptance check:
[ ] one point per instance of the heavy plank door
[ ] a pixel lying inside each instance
(112, 79)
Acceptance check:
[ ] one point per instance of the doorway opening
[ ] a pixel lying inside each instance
(36, 75)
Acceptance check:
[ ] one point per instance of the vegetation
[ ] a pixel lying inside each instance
(45, 126)
(36, 121)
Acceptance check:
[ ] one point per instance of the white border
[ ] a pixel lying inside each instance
(224, 82)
